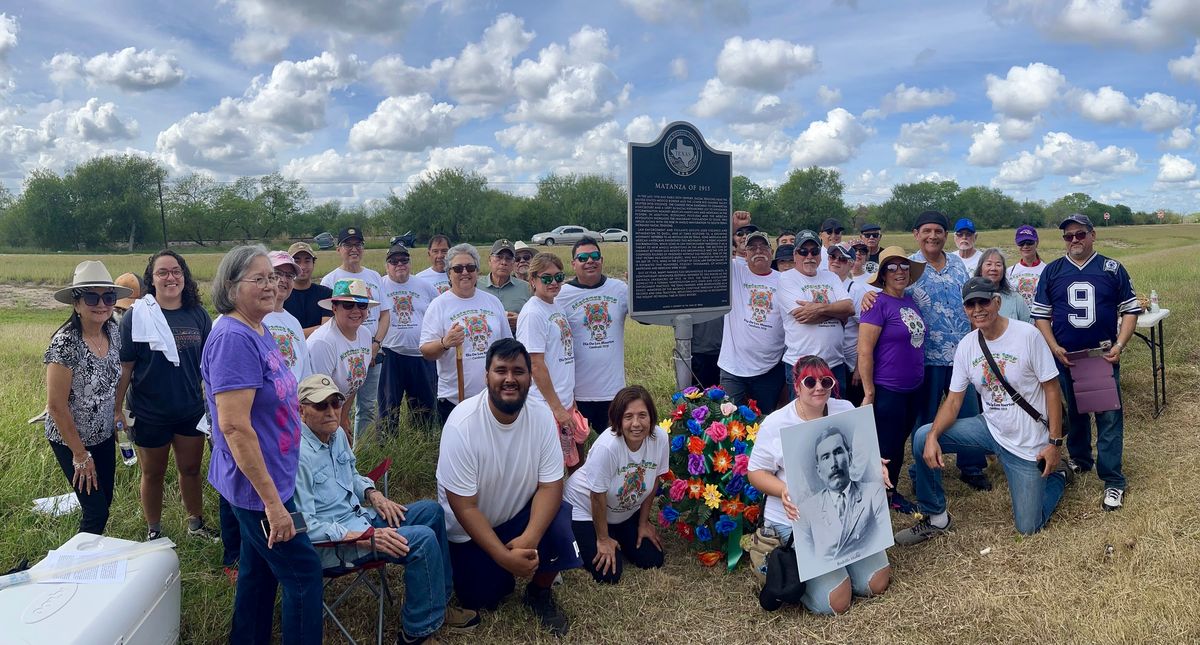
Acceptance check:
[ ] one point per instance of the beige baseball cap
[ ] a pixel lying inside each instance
(301, 247)
(316, 388)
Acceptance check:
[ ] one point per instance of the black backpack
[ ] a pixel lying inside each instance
(783, 585)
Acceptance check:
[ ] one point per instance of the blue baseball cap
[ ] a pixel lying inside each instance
(964, 223)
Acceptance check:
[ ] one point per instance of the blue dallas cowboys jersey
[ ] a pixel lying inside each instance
(1084, 304)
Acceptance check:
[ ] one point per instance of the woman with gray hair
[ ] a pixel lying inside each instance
(1012, 303)
(256, 452)
(459, 327)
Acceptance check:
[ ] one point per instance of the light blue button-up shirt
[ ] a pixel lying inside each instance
(939, 297)
(329, 492)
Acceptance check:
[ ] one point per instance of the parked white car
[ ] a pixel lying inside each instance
(614, 235)
(564, 235)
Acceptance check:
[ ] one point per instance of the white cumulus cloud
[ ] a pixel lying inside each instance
(741, 107)
(221, 139)
(9, 28)
(1173, 169)
(1186, 68)
(1105, 22)
(570, 88)
(1025, 169)
(97, 121)
(987, 146)
(909, 99)
(764, 65)
(1026, 91)
(129, 69)
(829, 96)
(920, 143)
(1106, 105)
(483, 73)
(409, 123)
(1179, 139)
(296, 94)
(832, 141)
(271, 23)
(1159, 112)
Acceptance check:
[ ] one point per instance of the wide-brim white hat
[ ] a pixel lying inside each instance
(88, 275)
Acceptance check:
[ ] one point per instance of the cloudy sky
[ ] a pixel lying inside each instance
(357, 98)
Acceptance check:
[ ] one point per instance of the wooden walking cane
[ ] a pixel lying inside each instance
(458, 366)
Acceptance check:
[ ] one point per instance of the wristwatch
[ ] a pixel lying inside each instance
(1056, 442)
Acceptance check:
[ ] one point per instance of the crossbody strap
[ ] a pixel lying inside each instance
(1012, 393)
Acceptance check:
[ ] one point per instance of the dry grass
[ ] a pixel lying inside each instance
(1059, 585)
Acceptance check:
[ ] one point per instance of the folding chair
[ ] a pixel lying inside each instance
(362, 573)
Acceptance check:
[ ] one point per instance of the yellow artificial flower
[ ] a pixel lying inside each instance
(712, 496)
(665, 424)
(752, 432)
(694, 395)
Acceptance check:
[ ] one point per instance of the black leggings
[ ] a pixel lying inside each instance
(646, 556)
(895, 418)
(95, 504)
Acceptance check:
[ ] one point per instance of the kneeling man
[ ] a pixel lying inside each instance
(340, 505)
(500, 480)
(1028, 448)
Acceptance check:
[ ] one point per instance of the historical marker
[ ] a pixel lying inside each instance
(679, 227)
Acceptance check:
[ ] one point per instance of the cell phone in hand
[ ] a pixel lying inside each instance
(297, 521)
(1041, 463)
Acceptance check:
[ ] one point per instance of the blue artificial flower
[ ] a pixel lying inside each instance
(725, 525)
(694, 427)
(735, 485)
(676, 398)
(751, 493)
(747, 413)
(716, 394)
(703, 533)
(677, 443)
(670, 514)
(739, 446)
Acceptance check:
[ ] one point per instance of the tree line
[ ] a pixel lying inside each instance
(124, 201)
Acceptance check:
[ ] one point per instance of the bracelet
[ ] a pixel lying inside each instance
(442, 340)
(376, 341)
(84, 462)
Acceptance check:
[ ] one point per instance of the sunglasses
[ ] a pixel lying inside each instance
(1026, 243)
(1077, 236)
(584, 257)
(351, 305)
(873, 236)
(524, 257)
(833, 231)
(805, 252)
(334, 402)
(398, 261)
(897, 267)
(467, 268)
(975, 303)
(810, 382)
(91, 298)
(547, 278)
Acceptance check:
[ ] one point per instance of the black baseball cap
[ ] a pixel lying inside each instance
(932, 217)
(784, 252)
(868, 227)
(1077, 218)
(503, 245)
(745, 230)
(979, 287)
(397, 249)
(807, 236)
(832, 224)
(350, 233)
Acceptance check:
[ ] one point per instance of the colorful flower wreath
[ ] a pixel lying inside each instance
(708, 498)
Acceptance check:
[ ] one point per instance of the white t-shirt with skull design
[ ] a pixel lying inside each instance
(407, 303)
(483, 321)
(543, 329)
(597, 318)
(752, 342)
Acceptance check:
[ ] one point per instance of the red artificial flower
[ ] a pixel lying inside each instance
(753, 405)
(695, 488)
(709, 558)
(695, 445)
(679, 411)
(685, 530)
(721, 461)
(668, 476)
(733, 507)
(751, 513)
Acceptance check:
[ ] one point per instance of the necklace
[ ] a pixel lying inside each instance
(98, 344)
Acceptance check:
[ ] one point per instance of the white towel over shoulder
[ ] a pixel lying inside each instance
(150, 326)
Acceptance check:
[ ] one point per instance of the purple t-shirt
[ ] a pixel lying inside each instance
(900, 350)
(236, 358)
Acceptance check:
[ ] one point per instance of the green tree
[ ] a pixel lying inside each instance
(279, 201)
(116, 197)
(910, 200)
(759, 201)
(449, 202)
(1066, 205)
(809, 196)
(987, 207)
(190, 203)
(46, 213)
(594, 202)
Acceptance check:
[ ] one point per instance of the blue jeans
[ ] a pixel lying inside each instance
(428, 579)
(231, 536)
(366, 401)
(789, 394)
(295, 565)
(402, 376)
(817, 590)
(1110, 433)
(1033, 497)
(764, 388)
(934, 389)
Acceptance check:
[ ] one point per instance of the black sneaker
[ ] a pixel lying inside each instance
(899, 504)
(204, 533)
(921, 531)
(541, 602)
(978, 481)
(152, 535)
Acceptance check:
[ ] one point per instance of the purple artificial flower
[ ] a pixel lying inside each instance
(699, 413)
(696, 465)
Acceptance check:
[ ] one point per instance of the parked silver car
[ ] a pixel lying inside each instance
(564, 235)
(614, 235)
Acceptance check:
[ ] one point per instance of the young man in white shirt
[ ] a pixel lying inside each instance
(814, 305)
(752, 340)
(595, 306)
(405, 370)
(1028, 449)
(350, 248)
(500, 481)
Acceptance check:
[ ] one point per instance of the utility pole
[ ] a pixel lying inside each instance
(162, 212)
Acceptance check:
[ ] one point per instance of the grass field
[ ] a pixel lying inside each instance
(1060, 585)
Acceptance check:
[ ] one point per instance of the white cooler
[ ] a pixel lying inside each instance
(142, 609)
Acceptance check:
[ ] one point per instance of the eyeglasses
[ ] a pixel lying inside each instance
(334, 402)
(547, 278)
(805, 252)
(833, 231)
(459, 268)
(837, 257)
(810, 382)
(964, 233)
(169, 273)
(524, 257)
(873, 236)
(1027, 243)
(1077, 236)
(91, 298)
(503, 257)
(347, 305)
(904, 266)
(352, 245)
(584, 257)
(399, 261)
(285, 276)
(262, 282)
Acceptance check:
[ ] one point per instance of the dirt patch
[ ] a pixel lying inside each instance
(28, 296)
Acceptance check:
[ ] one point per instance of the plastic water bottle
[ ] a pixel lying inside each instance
(1153, 301)
(127, 454)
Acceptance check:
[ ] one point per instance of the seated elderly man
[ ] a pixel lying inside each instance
(339, 505)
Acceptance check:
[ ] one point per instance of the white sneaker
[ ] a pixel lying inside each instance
(1112, 499)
